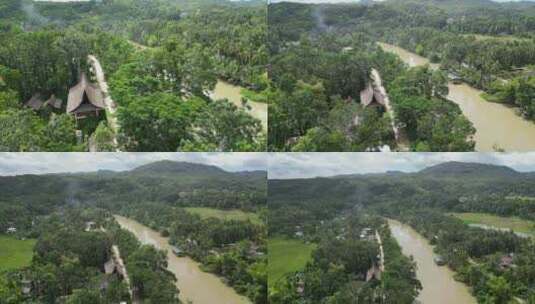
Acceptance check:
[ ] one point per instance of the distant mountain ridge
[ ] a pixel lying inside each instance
(172, 182)
(466, 168)
(172, 167)
(445, 169)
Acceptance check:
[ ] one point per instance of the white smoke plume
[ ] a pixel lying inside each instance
(32, 14)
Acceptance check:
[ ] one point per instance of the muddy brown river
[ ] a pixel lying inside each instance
(497, 126)
(233, 94)
(195, 285)
(438, 284)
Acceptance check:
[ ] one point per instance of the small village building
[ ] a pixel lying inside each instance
(367, 234)
(109, 266)
(371, 96)
(300, 285)
(178, 252)
(11, 230)
(90, 226)
(456, 79)
(26, 286)
(293, 140)
(54, 102)
(506, 262)
(214, 252)
(254, 251)
(439, 260)
(85, 99)
(373, 273)
(35, 103)
(385, 148)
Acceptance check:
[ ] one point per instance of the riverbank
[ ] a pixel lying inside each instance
(225, 90)
(438, 284)
(234, 93)
(497, 126)
(194, 284)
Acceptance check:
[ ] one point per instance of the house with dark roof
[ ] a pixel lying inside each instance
(506, 262)
(35, 103)
(85, 99)
(54, 102)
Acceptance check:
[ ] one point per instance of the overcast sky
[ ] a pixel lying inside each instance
(39, 163)
(279, 165)
(299, 165)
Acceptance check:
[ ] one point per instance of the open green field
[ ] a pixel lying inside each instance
(285, 256)
(514, 223)
(225, 214)
(500, 38)
(522, 198)
(15, 253)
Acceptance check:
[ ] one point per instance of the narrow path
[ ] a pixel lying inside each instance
(401, 138)
(118, 260)
(111, 107)
(381, 252)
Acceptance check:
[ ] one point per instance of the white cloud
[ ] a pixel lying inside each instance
(40, 163)
(305, 165)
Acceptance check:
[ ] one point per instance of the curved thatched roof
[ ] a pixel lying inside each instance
(368, 95)
(76, 95)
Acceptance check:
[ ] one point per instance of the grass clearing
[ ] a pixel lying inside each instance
(521, 198)
(514, 223)
(225, 214)
(285, 256)
(15, 253)
(254, 96)
(506, 38)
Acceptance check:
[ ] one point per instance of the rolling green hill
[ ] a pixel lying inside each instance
(176, 184)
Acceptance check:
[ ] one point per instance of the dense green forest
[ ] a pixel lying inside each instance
(59, 206)
(424, 200)
(160, 66)
(70, 261)
(339, 270)
(322, 55)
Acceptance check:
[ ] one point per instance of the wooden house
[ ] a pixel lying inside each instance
(35, 103)
(85, 99)
(54, 102)
(371, 96)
